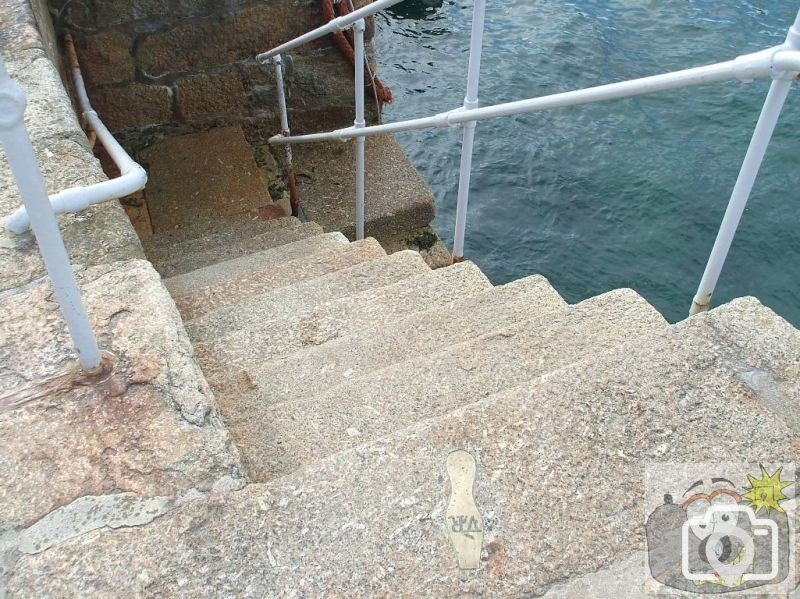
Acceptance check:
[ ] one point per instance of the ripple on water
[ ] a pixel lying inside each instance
(622, 194)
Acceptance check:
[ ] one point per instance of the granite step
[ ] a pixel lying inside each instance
(200, 234)
(185, 284)
(203, 176)
(395, 340)
(281, 437)
(281, 303)
(397, 197)
(200, 300)
(560, 482)
(263, 339)
(191, 255)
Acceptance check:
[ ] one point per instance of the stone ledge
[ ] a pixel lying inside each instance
(19, 32)
(100, 234)
(397, 197)
(150, 433)
(152, 429)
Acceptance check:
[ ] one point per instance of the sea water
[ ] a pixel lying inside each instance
(628, 193)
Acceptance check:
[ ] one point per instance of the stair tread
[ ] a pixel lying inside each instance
(561, 457)
(372, 405)
(189, 256)
(396, 340)
(237, 288)
(216, 273)
(282, 302)
(264, 340)
(201, 233)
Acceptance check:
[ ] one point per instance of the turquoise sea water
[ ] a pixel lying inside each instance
(620, 194)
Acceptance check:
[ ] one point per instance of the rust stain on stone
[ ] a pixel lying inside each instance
(107, 379)
(62, 382)
(497, 557)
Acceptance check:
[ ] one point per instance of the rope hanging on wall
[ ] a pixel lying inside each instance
(346, 46)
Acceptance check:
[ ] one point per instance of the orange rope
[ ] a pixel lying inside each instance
(345, 44)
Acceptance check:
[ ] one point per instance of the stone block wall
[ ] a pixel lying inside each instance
(160, 67)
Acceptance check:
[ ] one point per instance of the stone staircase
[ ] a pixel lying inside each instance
(346, 377)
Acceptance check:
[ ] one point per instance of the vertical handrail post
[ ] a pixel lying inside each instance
(284, 116)
(470, 101)
(359, 123)
(28, 176)
(765, 127)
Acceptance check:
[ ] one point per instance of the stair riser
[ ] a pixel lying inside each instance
(263, 341)
(193, 238)
(204, 277)
(392, 340)
(293, 434)
(182, 261)
(286, 301)
(240, 288)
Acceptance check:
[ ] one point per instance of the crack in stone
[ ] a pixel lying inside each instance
(89, 513)
(94, 512)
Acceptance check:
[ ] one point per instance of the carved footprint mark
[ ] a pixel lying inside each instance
(464, 522)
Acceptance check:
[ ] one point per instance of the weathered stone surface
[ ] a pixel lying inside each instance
(188, 257)
(100, 234)
(49, 114)
(624, 579)
(205, 95)
(135, 207)
(134, 105)
(64, 162)
(202, 177)
(19, 33)
(285, 333)
(367, 407)
(559, 483)
(397, 198)
(151, 429)
(44, 24)
(395, 340)
(198, 44)
(426, 241)
(115, 13)
(105, 58)
(257, 74)
(90, 513)
(319, 83)
(251, 263)
(195, 8)
(302, 296)
(214, 232)
(197, 302)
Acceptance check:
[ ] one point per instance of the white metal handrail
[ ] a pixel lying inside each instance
(356, 21)
(359, 123)
(780, 63)
(746, 68)
(25, 167)
(332, 26)
(132, 176)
